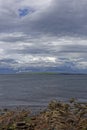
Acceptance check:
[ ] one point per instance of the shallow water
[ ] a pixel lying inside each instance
(39, 89)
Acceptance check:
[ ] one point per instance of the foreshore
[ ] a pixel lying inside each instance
(56, 116)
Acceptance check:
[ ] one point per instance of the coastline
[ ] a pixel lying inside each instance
(56, 116)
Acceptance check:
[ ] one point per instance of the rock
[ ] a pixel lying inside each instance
(21, 125)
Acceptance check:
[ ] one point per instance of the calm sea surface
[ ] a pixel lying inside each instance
(39, 89)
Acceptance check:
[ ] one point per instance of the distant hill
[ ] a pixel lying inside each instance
(46, 70)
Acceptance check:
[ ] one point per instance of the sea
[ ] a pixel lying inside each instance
(37, 90)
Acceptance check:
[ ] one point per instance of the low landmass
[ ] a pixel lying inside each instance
(51, 73)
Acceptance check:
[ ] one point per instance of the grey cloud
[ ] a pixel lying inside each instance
(34, 50)
(6, 62)
(46, 50)
(64, 17)
(42, 30)
(14, 39)
(74, 49)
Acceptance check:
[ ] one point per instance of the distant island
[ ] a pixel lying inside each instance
(51, 73)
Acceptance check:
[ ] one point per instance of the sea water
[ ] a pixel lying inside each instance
(39, 89)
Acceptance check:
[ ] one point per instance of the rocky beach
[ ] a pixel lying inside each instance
(58, 115)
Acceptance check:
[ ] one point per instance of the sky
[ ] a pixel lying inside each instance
(43, 35)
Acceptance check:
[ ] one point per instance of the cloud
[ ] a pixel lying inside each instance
(49, 33)
(55, 17)
(43, 52)
(63, 17)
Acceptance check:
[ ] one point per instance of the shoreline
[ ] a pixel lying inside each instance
(56, 116)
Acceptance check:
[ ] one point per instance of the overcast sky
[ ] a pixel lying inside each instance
(43, 34)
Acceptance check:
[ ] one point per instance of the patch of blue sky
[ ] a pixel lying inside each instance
(25, 11)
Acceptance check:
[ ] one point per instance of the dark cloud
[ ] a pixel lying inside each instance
(7, 62)
(64, 17)
(74, 49)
